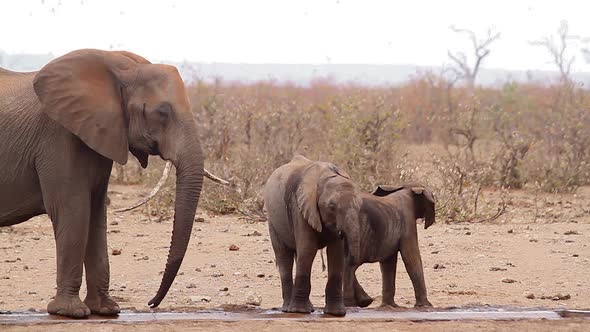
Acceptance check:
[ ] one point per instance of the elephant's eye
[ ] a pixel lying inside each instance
(164, 111)
(332, 206)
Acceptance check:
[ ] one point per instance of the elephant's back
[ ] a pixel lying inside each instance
(6, 72)
(274, 193)
(275, 186)
(15, 87)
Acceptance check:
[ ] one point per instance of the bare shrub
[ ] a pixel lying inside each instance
(474, 140)
(521, 136)
(562, 127)
(261, 126)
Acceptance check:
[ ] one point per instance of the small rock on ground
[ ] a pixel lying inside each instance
(254, 299)
(200, 298)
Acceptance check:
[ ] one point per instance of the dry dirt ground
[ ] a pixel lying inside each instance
(513, 261)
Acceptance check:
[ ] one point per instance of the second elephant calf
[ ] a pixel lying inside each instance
(388, 226)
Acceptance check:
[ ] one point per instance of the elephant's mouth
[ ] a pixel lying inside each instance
(154, 149)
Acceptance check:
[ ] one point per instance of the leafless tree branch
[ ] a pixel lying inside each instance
(480, 52)
(558, 49)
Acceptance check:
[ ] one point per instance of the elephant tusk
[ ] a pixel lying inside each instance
(154, 191)
(215, 178)
(161, 183)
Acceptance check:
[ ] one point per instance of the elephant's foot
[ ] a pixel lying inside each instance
(359, 299)
(386, 307)
(303, 308)
(285, 307)
(103, 305)
(423, 304)
(68, 306)
(350, 302)
(335, 309)
(364, 301)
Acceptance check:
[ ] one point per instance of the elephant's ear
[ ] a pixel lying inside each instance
(307, 197)
(339, 171)
(384, 190)
(141, 156)
(82, 91)
(424, 200)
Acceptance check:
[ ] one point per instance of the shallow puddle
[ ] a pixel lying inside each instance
(483, 313)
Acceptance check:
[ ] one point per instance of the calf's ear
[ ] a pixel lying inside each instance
(424, 201)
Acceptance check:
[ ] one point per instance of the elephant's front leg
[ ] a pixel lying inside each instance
(96, 261)
(334, 300)
(348, 285)
(302, 287)
(70, 216)
(411, 255)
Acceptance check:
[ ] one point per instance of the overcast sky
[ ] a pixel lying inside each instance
(297, 31)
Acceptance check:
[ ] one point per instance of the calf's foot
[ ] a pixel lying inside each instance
(364, 300)
(423, 304)
(301, 307)
(335, 309)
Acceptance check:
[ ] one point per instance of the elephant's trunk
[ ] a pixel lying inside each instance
(351, 230)
(189, 181)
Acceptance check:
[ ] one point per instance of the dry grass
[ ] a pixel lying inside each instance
(459, 140)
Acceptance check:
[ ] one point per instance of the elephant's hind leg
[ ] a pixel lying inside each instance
(284, 258)
(388, 271)
(96, 261)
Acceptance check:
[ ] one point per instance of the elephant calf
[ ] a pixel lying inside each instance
(311, 205)
(388, 226)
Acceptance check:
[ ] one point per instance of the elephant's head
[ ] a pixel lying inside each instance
(329, 200)
(117, 102)
(422, 199)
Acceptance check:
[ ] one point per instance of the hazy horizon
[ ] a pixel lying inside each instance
(304, 74)
(302, 32)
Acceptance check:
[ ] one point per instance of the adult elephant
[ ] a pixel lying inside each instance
(62, 127)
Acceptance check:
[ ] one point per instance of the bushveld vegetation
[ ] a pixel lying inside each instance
(461, 139)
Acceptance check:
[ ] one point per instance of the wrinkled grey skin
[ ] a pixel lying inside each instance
(311, 205)
(388, 226)
(61, 128)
